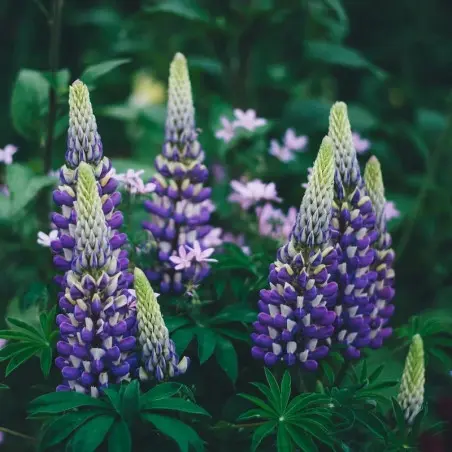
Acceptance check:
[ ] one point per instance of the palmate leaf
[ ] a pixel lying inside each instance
(207, 340)
(182, 338)
(227, 357)
(181, 433)
(92, 433)
(302, 440)
(174, 404)
(262, 432)
(130, 401)
(24, 354)
(283, 441)
(234, 313)
(119, 437)
(163, 391)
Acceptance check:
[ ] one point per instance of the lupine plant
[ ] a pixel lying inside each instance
(240, 292)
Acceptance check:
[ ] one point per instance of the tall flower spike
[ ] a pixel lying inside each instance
(382, 291)
(180, 206)
(159, 358)
(353, 234)
(84, 145)
(97, 322)
(296, 317)
(411, 392)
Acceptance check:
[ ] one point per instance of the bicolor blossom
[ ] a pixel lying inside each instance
(248, 194)
(180, 206)
(46, 239)
(296, 317)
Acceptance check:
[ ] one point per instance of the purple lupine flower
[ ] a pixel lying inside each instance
(353, 233)
(382, 291)
(97, 322)
(180, 206)
(295, 323)
(84, 145)
(159, 358)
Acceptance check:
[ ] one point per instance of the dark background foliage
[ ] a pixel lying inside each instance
(290, 60)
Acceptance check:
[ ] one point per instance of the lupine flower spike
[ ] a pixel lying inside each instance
(98, 322)
(353, 234)
(159, 359)
(382, 291)
(84, 145)
(296, 316)
(411, 392)
(180, 206)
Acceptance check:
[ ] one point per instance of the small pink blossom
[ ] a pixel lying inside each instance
(133, 183)
(248, 120)
(270, 221)
(183, 260)
(249, 193)
(227, 132)
(200, 255)
(213, 238)
(2, 343)
(282, 153)
(361, 144)
(305, 184)
(218, 172)
(391, 211)
(238, 240)
(289, 222)
(46, 239)
(6, 154)
(209, 205)
(294, 143)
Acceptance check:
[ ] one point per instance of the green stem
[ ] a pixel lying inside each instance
(18, 434)
(342, 373)
(55, 34)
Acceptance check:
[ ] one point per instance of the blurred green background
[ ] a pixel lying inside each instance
(391, 62)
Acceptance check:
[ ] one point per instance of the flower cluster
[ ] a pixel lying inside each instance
(411, 392)
(248, 194)
(159, 359)
(84, 145)
(97, 322)
(247, 120)
(333, 280)
(296, 316)
(291, 144)
(274, 223)
(180, 206)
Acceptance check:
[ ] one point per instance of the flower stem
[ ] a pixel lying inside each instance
(55, 34)
(18, 434)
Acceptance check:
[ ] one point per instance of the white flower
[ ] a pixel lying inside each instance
(213, 238)
(6, 154)
(46, 240)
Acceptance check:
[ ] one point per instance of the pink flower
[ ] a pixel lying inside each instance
(361, 144)
(238, 240)
(133, 183)
(289, 222)
(294, 143)
(391, 211)
(209, 205)
(213, 238)
(249, 193)
(227, 132)
(6, 154)
(282, 153)
(305, 184)
(270, 221)
(248, 120)
(199, 255)
(183, 260)
(2, 343)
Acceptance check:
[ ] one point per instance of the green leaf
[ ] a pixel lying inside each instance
(314, 428)
(188, 9)
(173, 323)
(372, 422)
(3, 386)
(275, 403)
(303, 401)
(227, 357)
(46, 361)
(92, 434)
(273, 385)
(182, 337)
(286, 388)
(303, 441)
(119, 438)
(262, 432)
(250, 414)
(234, 313)
(268, 411)
(398, 414)
(162, 391)
(283, 438)
(175, 405)
(181, 433)
(62, 427)
(233, 334)
(113, 397)
(28, 102)
(130, 401)
(207, 340)
(59, 81)
(328, 52)
(92, 73)
(27, 352)
(57, 402)
(10, 349)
